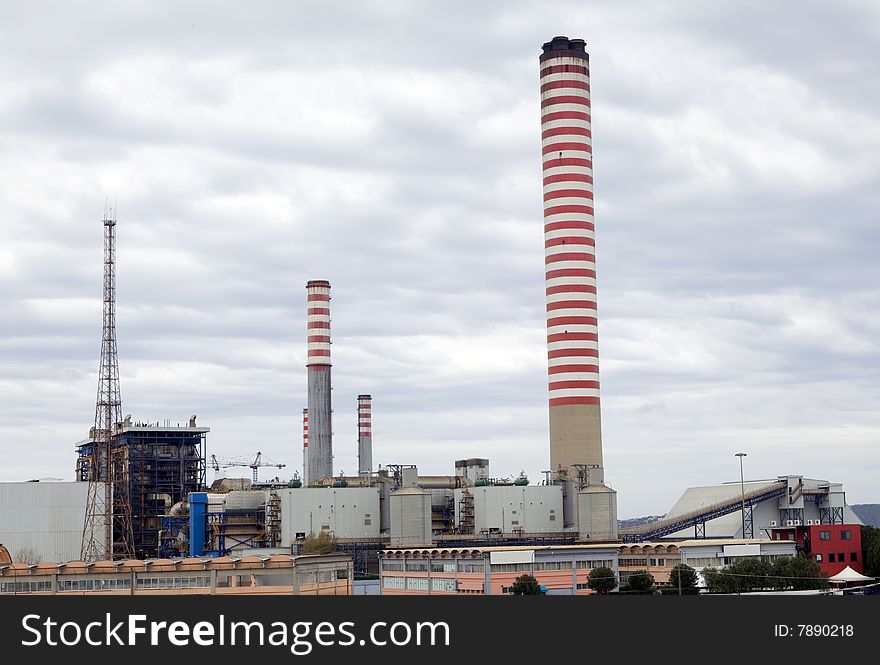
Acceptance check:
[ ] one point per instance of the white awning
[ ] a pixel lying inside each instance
(849, 575)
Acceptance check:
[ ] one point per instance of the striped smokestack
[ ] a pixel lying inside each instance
(320, 463)
(305, 478)
(365, 435)
(569, 246)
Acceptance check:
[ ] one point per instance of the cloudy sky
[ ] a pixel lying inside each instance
(393, 148)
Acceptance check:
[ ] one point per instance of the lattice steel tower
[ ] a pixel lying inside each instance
(107, 532)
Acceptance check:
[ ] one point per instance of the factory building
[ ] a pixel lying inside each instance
(279, 574)
(563, 570)
(165, 463)
(320, 457)
(43, 520)
(345, 512)
(509, 509)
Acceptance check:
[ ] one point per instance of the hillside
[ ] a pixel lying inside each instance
(869, 513)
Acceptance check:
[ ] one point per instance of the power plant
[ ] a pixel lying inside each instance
(141, 491)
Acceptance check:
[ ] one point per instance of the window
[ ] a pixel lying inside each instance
(853, 556)
(443, 584)
(443, 566)
(818, 558)
(470, 566)
(831, 557)
(510, 568)
(824, 535)
(417, 566)
(389, 582)
(392, 565)
(840, 557)
(589, 565)
(634, 561)
(553, 565)
(582, 586)
(846, 535)
(417, 583)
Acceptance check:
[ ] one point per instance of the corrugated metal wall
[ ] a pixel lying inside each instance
(45, 516)
(348, 512)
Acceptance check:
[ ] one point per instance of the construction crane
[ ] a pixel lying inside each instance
(224, 463)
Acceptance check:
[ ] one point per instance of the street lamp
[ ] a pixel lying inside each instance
(742, 487)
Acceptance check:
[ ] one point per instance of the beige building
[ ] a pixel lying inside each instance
(279, 574)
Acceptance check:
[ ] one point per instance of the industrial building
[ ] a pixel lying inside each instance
(833, 546)
(165, 463)
(562, 569)
(43, 519)
(278, 574)
(749, 509)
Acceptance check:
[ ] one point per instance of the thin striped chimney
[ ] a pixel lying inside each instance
(305, 477)
(320, 429)
(365, 435)
(570, 261)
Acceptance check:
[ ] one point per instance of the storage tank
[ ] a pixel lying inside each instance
(597, 513)
(411, 517)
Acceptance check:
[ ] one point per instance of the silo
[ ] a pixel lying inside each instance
(411, 517)
(597, 513)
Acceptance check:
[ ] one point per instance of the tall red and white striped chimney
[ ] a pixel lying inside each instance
(365, 435)
(320, 432)
(305, 477)
(570, 261)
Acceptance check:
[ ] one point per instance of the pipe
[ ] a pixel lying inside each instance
(444, 482)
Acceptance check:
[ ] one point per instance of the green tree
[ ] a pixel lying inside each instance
(683, 578)
(871, 550)
(602, 580)
(742, 576)
(323, 543)
(797, 572)
(641, 581)
(525, 585)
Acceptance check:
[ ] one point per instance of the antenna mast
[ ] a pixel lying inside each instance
(107, 532)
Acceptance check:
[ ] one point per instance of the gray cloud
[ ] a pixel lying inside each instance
(392, 148)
